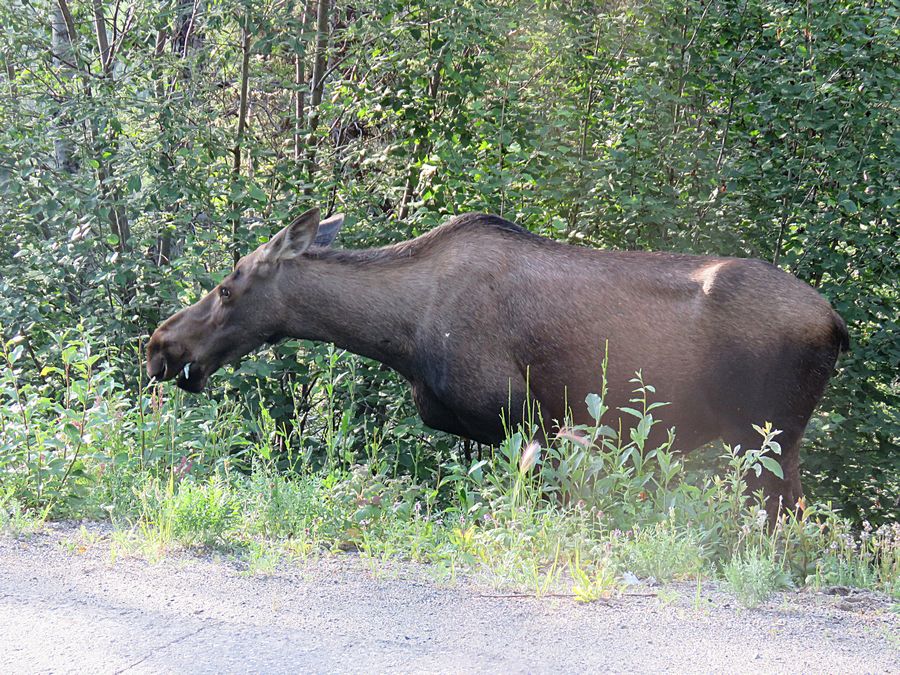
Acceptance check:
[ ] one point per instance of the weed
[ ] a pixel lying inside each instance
(668, 596)
(754, 577)
(298, 550)
(123, 543)
(600, 582)
(662, 551)
(81, 543)
(17, 520)
(699, 605)
(262, 558)
(188, 512)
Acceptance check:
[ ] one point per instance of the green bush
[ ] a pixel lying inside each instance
(189, 512)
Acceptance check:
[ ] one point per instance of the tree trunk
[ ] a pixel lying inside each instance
(63, 147)
(163, 239)
(10, 69)
(241, 129)
(102, 39)
(317, 87)
(300, 81)
(422, 148)
(9, 72)
(109, 192)
(184, 38)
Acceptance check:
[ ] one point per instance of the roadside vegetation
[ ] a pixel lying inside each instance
(597, 511)
(146, 144)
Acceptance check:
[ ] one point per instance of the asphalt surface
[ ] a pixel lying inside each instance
(67, 605)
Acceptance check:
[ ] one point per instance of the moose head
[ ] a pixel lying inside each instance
(241, 313)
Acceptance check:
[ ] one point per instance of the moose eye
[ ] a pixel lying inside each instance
(224, 292)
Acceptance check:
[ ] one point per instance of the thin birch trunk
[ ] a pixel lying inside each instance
(317, 87)
(109, 192)
(299, 83)
(61, 44)
(422, 148)
(241, 130)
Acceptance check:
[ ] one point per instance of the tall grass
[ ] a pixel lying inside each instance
(594, 511)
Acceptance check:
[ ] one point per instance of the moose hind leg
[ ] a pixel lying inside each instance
(785, 393)
(780, 494)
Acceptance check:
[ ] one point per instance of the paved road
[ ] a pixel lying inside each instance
(65, 610)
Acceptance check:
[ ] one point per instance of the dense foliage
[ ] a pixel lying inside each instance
(144, 143)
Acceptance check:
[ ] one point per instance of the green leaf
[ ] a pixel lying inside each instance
(849, 206)
(257, 193)
(595, 406)
(772, 466)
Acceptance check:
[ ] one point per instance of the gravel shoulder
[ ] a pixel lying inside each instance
(67, 607)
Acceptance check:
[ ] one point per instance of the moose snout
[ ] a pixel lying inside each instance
(165, 359)
(156, 360)
(156, 366)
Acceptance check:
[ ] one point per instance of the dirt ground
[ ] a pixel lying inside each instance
(67, 607)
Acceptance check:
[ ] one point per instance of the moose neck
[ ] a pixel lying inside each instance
(367, 303)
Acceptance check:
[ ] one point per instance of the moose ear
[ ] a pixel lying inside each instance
(295, 238)
(328, 229)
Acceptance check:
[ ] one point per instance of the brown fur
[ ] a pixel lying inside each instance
(475, 309)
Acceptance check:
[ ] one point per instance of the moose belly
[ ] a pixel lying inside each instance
(472, 402)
